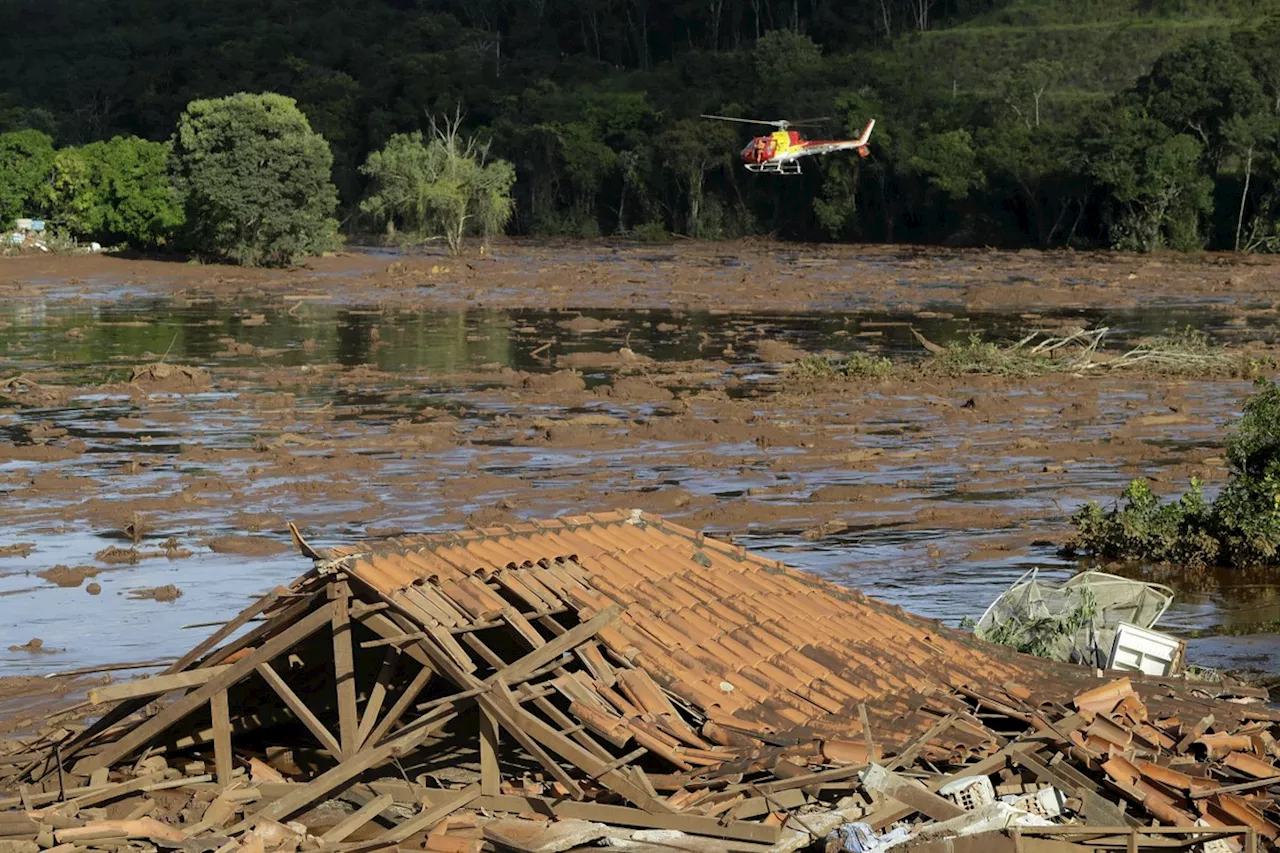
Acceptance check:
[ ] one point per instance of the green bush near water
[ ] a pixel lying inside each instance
(255, 179)
(1240, 529)
(117, 191)
(445, 185)
(856, 366)
(987, 358)
(26, 159)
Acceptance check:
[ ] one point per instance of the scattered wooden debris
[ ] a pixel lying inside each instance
(522, 689)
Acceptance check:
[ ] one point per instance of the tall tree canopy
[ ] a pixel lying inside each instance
(255, 179)
(992, 114)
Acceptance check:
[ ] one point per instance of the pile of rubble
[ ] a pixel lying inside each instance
(615, 680)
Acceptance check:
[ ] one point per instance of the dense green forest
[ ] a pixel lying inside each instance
(1131, 123)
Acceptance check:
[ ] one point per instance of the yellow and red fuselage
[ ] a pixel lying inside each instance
(785, 145)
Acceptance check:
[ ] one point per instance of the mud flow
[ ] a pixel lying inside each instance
(161, 423)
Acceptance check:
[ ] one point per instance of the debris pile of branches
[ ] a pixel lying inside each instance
(615, 680)
(1179, 352)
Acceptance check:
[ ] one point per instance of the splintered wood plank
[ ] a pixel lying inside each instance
(146, 731)
(433, 653)
(389, 625)
(357, 819)
(1096, 807)
(235, 624)
(300, 710)
(866, 731)
(220, 711)
(377, 695)
(120, 789)
(490, 772)
(561, 719)
(344, 669)
(120, 712)
(154, 686)
(508, 713)
(286, 616)
(396, 711)
(624, 816)
(430, 816)
(909, 754)
(545, 654)
(530, 731)
(335, 777)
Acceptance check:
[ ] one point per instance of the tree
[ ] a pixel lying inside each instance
(26, 159)
(255, 178)
(586, 162)
(691, 149)
(781, 55)
(1042, 163)
(1261, 48)
(1156, 191)
(445, 186)
(117, 191)
(1252, 140)
(1199, 88)
(950, 162)
(1030, 81)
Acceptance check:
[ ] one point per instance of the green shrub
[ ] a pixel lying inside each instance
(975, 355)
(26, 159)
(1247, 513)
(1047, 636)
(813, 367)
(862, 366)
(116, 191)
(1145, 528)
(856, 366)
(255, 178)
(1240, 529)
(444, 186)
(652, 232)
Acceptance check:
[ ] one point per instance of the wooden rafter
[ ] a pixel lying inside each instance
(300, 710)
(144, 732)
(396, 711)
(377, 695)
(344, 671)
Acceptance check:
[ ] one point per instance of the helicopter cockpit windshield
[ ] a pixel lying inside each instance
(758, 150)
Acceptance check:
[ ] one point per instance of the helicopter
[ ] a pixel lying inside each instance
(779, 152)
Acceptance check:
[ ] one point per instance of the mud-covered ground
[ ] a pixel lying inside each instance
(368, 394)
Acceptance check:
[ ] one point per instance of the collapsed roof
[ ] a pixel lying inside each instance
(620, 669)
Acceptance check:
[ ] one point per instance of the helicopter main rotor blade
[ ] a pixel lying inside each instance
(747, 120)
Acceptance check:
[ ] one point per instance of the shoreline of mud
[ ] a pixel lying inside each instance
(729, 276)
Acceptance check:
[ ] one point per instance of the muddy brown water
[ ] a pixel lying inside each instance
(356, 418)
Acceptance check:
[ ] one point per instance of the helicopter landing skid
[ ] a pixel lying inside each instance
(791, 167)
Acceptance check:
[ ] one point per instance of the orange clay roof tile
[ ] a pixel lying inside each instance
(700, 615)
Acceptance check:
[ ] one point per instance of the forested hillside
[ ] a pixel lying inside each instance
(1131, 123)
